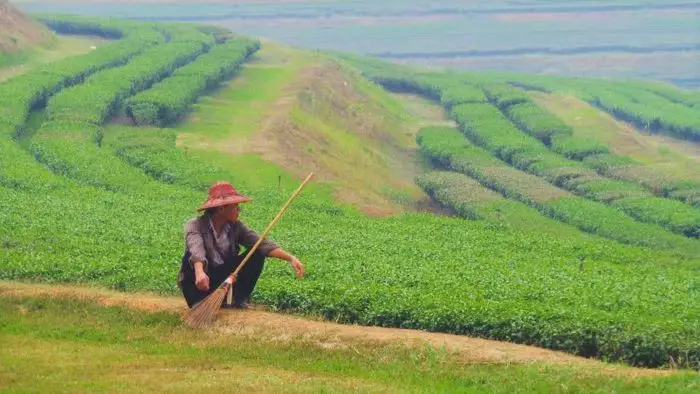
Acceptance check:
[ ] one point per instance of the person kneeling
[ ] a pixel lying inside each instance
(213, 243)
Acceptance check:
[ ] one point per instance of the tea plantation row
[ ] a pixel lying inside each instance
(554, 133)
(168, 100)
(450, 149)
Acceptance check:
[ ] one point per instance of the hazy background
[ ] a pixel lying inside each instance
(641, 39)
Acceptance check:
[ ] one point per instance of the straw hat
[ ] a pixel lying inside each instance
(223, 193)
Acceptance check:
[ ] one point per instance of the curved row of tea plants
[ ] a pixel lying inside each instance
(452, 150)
(67, 142)
(648, 111)
(655, 109)
(21, 94)
(101, 94)
(554, 133)
(607, 164)
(624, 168)
(688, 98)
(489, 128)
(468, 198)
(70, 149)
(168, 100)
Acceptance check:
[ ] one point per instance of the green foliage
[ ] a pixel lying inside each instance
(452, 95)
(605, 162)
(19, 95)
(69, 150)
(504, 95)
(552, 131)
(466, 196)
(577, 148)
(605, 189)
(169, 100)
(451, 150)
(648, 111)
(671, 214)
(689, 98)
(538, 122)
(557, 136)
(97, 98)
(686, 191)
(484, 124)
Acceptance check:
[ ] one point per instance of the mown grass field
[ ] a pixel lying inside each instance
(108, 200)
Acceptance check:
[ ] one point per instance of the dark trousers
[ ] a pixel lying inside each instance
(247, 278)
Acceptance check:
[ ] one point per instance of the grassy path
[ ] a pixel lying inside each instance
(70, 339)
(300, 112)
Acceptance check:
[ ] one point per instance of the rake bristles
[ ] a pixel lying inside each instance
(204, 312)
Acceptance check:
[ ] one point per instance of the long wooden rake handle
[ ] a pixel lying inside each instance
(229, 280)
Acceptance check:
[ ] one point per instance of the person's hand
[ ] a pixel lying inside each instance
(298, 266)
(201, 280)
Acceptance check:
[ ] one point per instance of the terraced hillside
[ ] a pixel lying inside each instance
(111, 151)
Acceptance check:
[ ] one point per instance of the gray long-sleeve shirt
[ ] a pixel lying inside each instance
(201, 242)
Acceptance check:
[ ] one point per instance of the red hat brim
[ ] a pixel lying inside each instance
(228, 200)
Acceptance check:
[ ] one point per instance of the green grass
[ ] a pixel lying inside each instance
(8, 59)
(237, 110)
(69, 345)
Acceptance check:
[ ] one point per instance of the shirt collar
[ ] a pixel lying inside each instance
(224, 229)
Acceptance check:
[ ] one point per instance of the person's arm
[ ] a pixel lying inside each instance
(198, 259)
(281, 254)
(269, 248)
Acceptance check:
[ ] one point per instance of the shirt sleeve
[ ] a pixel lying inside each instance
(248, 238)
(194, 242)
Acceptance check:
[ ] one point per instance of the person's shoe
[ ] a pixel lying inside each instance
(241, 304)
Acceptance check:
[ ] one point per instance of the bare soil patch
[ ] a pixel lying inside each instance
(17, 30)
(256, 322)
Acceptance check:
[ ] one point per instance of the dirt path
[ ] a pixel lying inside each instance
(259, 323)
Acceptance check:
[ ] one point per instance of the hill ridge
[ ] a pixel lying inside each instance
(18, 31)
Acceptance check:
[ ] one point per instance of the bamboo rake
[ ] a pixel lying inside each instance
(204, 312)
